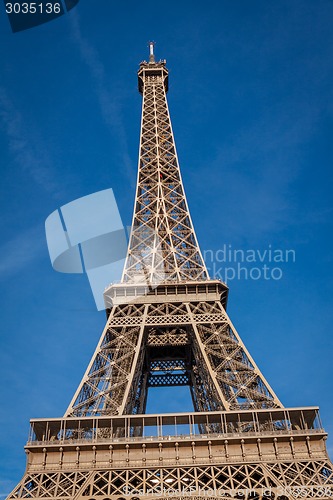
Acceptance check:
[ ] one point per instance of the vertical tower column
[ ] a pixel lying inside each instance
(163, 245)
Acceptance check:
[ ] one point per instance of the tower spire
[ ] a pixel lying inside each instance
(163, 244)
(151, 52)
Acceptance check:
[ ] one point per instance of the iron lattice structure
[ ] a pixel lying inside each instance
(167, 326)
(163, 244)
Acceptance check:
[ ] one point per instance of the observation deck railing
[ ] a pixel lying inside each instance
(177, 426)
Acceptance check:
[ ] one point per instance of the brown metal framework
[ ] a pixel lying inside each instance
(188, 331)
(167, 326)
(168, 330)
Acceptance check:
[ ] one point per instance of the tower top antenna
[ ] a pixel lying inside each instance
(151, 52)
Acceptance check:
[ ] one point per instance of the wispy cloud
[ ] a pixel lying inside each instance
(109, 107)
(254, 172)
(27, 149)
(5, 488)
(16, 253)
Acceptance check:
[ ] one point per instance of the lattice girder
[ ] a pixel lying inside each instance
(277, 453)
(220, 371)
(248, 481)
(171, 252)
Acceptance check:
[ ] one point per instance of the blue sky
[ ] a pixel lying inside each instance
(251, 104)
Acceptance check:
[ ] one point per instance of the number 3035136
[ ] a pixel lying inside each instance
(33, 8)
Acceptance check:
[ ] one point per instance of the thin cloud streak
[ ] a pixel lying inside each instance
(28, 152)
(17, 253)
(259, 168)
(7, 487)
(109, 107)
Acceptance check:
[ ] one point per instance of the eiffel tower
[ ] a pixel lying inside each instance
(167, 326)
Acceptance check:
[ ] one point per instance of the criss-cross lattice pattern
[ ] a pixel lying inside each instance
(240, 380)
(251, 481)
(163, 244)
(198, 335)
(105, 385)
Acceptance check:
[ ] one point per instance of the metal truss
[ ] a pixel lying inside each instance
(281, 480)
(163, 245)
(252, 454)
(167, 326)
(193, 343)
